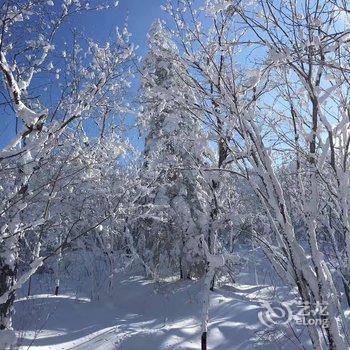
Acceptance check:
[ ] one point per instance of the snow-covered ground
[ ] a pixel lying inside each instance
(150, 316)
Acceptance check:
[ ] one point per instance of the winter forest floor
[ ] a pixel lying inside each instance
(146, 315)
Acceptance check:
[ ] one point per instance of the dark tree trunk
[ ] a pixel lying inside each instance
(212, 283)
(204, 341)
(181, 269)
(29, 286)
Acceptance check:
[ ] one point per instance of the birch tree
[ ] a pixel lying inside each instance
(244, 97)
(87, 77)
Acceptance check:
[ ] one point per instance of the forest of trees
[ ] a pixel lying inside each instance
(243, 112)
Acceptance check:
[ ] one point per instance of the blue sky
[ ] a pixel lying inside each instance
(140, 14)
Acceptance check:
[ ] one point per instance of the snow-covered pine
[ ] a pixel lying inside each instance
(174, 151)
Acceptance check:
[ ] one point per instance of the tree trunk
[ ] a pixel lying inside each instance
(29, 286)
(204, 341)
(7, 280)
(205, 305)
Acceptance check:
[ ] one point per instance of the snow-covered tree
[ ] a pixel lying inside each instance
(175, 148)
(86, 77)
(249, 100)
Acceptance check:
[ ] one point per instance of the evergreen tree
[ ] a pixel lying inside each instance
(174, 148)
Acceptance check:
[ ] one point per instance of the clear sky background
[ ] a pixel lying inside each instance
(138, 14)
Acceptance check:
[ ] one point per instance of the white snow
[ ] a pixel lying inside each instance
(144, 315)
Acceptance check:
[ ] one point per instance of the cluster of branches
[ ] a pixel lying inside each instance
(57, 184)
(265, 86)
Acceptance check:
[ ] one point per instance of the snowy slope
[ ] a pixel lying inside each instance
(144, 315)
